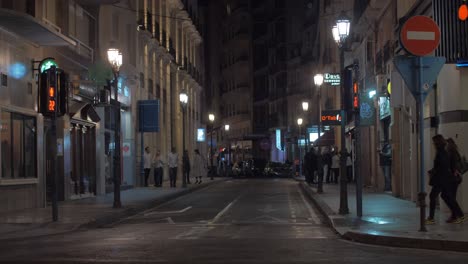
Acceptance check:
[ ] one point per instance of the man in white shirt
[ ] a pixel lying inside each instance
(173, 160)
(147, 159)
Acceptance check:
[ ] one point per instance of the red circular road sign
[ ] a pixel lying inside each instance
(420, 35)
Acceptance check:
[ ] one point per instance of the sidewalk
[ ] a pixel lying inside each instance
(90, 212)
(387, 220)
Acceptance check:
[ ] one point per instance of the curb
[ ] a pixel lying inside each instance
(107, 220)
(381, 240)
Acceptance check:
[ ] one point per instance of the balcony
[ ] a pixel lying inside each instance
(30, 28)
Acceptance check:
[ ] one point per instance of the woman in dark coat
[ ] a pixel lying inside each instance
(442, 180)
(455, 167)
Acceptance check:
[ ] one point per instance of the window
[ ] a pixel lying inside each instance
(18, 145)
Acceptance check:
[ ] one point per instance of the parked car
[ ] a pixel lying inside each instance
(277, 169)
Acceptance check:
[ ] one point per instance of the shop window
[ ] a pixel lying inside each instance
(18, 145)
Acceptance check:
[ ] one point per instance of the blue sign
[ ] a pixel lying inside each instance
(201, 135)
(148, 116)
(419, 73)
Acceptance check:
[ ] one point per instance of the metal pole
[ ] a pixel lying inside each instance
(142, 153)
(422, 192)
(117, 172)
(343, 184)
(300, 152)
(357, 168)
(55, 178)
(211, 153)
(320, 174)
(184, 180)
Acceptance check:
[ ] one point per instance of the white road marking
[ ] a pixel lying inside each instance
(194, 233)
(420, 35)
(224, 211)
(170, 221)
(169, 212)
(268, 209)
(309, 208)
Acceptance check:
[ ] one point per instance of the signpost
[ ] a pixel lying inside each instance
(420, 36)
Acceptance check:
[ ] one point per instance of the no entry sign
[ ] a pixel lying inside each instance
(420, 35)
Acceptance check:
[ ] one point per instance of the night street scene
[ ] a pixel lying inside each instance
(234, 131)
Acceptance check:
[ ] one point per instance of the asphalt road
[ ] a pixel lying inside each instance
(237, 221)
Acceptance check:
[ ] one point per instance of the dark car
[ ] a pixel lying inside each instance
(277, 169)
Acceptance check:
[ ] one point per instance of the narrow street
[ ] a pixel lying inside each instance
(236, 221)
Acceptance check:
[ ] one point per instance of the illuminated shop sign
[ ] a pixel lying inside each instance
(331, 118)
(332, 78)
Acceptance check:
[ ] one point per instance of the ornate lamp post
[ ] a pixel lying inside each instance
(183, 98)
(305, 108)
(318, 81)
(211, 117)
(299, 123)
(226, 128)
(340, 32)
(114, 56)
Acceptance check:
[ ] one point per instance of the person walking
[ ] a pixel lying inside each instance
(147, 158)
(455, 167)
(335, 167)
(319, 165)
(173, 160)
(327, 158)
(442, 181)
(186, 166)
(306, 167)
(199, 167)
(386, 164)
(158, 169)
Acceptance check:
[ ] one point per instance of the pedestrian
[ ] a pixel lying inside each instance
(327, 158)
(312, 165)
(199, 166)
(186, 166)
(386, 163)
(349, 166)
(306, 167)
(335, 167)
(319, 165)
(147, 158)
(173, 160)
(158, 169)
(442, 181)
(455, 167)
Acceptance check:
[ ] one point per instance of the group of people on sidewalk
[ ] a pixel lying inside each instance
(445, 177)
(325, 164)
(157, 163)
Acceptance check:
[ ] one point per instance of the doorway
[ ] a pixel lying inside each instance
(83, 160)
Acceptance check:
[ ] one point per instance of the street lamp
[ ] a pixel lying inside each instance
(305, 106)
(299, 123)
(114, 57)
(340, 33)
(183, 98)
(211, 117)
(318, 81)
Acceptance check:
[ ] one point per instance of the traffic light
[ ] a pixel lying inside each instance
(463, 12)
(53, 92)
(355, 96)
(48, 92)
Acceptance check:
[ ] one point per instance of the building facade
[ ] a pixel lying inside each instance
(162, 53)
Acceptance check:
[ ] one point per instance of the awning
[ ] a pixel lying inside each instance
(32, 29)
(327, 139)
(83, 111)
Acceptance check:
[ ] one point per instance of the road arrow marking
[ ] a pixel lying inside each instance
(268, 209)
(169, 212)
